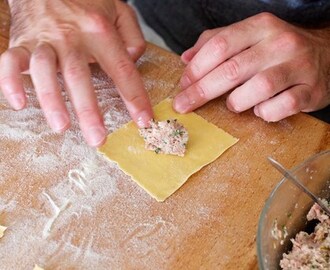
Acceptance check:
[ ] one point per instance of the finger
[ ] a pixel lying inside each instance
(263, 86)
(117, 64)
(203, 38)
(77, 79)
(12, 63)
(130, 32)
(228, 42)
(225, 77)
(43, 69)
(285, 104)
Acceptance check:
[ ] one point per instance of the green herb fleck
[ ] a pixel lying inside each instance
(157, 150)
(178, 132)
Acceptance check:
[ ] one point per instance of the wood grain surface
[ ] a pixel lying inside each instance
(209, 223)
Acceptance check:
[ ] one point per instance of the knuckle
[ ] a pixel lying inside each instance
(74, 71)
(74, 68)
(265, 84)
(40, 56)
(74, 55)
(201, 91)
(46, 96)
(291, 102)
(231, 70)
(85, 112)
(66, 34)
(124, 68)
(219, 45)
(99, 22)
(290, 41)
(192, 71)
(135, 99)
(206, 34)
(266, 19)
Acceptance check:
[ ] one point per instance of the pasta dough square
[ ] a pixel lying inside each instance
(158, 174)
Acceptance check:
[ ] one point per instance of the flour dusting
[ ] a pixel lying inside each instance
(66, 207)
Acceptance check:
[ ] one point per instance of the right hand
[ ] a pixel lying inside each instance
(65, 35)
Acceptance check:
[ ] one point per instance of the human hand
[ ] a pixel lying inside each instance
(275, 67)
(65, 35)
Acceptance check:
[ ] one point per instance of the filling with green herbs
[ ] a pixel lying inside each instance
(165, 137)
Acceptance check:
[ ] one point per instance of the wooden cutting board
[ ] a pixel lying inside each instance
(67, 208)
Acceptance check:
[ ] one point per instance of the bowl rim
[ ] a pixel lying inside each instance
(269, 201)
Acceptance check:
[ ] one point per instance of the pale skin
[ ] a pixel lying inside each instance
(263, 63)
(268, 65)
(47, 36)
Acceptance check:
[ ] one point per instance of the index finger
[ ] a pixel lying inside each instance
(112, 56)
(228, 42)
(129, 30)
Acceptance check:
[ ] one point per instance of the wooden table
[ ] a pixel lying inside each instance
(67, 208)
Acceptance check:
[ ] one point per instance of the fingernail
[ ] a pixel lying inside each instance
(256, 111)
(185, 82)
(132, 51)
(95, 136)
(58, 121)
(231, 107)
(143, 119)
(16, 101)
(186, 56)
(182, 103)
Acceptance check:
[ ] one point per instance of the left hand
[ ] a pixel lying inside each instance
(274, 67)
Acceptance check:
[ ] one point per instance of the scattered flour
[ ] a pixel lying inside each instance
(66, 207)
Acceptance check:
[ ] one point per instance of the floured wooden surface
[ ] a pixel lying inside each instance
(161, 175)
(66, 207)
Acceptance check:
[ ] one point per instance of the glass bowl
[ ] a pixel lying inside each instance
(284, 213)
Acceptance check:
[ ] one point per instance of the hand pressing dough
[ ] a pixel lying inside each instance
(2, 230)
(159, 174)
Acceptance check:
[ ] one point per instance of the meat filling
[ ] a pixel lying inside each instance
(310, 251)
(166, 137)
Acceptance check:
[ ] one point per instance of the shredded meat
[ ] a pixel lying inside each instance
(167, 137)
(310, 251)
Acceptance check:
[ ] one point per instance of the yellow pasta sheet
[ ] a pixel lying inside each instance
(159, 174)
